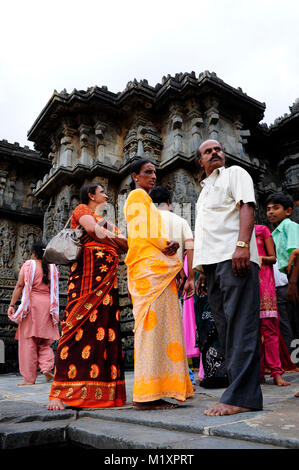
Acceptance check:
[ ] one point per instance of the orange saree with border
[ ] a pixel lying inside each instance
(160, 363)
(88, 368)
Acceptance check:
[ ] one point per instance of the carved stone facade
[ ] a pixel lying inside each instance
(20, 225)
(94, 135)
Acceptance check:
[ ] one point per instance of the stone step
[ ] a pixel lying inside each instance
(104, 434)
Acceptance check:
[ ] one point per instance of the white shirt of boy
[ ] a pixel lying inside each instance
(177, 228)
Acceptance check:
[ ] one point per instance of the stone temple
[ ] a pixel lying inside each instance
(94, 135)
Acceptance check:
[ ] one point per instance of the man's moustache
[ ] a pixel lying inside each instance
(215, 156)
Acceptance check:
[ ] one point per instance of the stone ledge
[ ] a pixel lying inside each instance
(35, 433)
(27, 412)
(126, 428)
(100, 434)
(23, 410)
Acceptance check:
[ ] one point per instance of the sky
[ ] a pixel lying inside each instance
(47, 45)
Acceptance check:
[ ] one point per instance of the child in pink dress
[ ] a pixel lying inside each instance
(269, 321)
(37, 316)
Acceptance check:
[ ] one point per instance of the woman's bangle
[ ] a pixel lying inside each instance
(11, 305)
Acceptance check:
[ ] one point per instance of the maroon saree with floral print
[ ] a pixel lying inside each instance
(88, 367)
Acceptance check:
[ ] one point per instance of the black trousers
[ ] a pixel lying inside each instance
(235, 306)
(286, 316)
(293, 312)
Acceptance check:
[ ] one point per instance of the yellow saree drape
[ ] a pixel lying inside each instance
(160, 363)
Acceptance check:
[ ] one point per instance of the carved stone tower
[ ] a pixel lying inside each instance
(94, 135)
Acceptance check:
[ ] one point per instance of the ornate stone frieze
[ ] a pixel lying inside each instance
(28, 235)
(8, 239)
(143, 141)
(291, 180)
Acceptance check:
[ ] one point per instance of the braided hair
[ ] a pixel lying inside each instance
(38, 250)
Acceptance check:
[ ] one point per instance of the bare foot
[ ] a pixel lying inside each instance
(26, 383)
(154, 405)
(278, 380)
(55, 404)
(222, 409)
(49, 376)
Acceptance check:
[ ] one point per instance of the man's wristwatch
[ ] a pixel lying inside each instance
(242, 244)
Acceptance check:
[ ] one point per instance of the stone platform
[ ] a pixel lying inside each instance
(25, 422)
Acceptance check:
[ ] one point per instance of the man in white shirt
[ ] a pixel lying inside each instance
(225, 252)
(178, 230)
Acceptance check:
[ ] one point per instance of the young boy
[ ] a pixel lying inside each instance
(286, 239)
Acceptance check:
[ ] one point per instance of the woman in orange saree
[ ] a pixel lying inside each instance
(88, 369)
(160, 363)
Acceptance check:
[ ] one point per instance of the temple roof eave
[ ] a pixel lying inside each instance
(206, 83)
(156, 97)
(64, 175)
(63, 101)
(23, 154)
(282, 123)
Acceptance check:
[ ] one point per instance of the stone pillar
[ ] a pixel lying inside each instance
(53, 153)
(177, 127)
(242, 136)
(100, 129)
(130, 145)
(213, 119)
(67, 147)
(10, 189)
(3, 178)
(85, 158)
(140, 150)
(196, 122)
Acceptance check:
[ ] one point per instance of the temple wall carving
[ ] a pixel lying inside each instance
(94, 135)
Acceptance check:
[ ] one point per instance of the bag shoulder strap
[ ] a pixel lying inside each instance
(67, 222)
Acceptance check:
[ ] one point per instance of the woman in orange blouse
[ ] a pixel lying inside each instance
(88, 369)
(160, 365)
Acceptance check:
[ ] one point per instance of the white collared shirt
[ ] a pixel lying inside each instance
(178, 229)
(281, 279)
(218, 216)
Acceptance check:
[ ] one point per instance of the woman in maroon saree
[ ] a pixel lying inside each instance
(88, 369)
